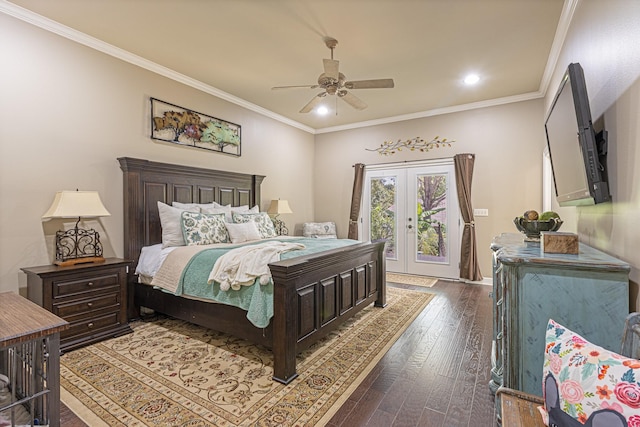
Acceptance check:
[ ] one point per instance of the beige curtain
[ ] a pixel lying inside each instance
(356, 200)
(469, 268)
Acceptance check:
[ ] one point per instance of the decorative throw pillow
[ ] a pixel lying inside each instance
(170, 221)
(587, 384)
(243, 232)
(319, 230)
(204, 229)
(262, 220)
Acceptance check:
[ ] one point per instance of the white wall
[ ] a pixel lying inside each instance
(67, 112)
(508, 141)
(604, 37)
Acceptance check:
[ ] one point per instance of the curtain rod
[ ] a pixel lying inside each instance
(410, 161)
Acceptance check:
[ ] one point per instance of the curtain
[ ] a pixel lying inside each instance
(469, 268)
(356, 199)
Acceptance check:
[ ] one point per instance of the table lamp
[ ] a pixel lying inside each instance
(276, 208)
(77, 245)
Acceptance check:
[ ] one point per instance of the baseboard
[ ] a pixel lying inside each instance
(486, 281)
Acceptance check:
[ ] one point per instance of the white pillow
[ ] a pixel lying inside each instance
(171, 223)
(228, 210)
(200, 206)
(243, 232)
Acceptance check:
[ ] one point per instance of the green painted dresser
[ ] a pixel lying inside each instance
(588, 293)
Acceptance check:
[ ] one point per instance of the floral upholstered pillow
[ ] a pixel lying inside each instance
(319, 230)
(584, 384)
(262, 220)
(204, 229)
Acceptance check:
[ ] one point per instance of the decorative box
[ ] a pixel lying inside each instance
(559, 243)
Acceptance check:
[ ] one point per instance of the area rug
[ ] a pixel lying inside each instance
(410, 279)
(172, 373)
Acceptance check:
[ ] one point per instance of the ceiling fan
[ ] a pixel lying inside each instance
(335, 83)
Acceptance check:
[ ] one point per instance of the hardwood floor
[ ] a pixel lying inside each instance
(438, 371)
(436, 374)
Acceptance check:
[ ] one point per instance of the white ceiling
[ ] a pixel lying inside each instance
(239, 49)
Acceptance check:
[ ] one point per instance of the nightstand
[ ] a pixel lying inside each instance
(91, 297)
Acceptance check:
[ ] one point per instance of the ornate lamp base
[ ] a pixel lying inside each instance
(78, 246)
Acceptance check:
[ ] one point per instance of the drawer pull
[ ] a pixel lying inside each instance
(89, 304)
(90, 284)
(90, 325)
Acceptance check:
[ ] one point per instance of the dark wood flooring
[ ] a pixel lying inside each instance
(436, 374)
(438, 371)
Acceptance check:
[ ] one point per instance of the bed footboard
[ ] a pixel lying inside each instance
(316, 294)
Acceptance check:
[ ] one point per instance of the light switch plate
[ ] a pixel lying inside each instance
(481, 212)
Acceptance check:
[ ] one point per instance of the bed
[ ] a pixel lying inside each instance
(312, 294)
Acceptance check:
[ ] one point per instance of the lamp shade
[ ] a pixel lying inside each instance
(75, 204)
(279, 207)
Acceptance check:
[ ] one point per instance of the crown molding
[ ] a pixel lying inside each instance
(99, 45)
(436, 112)
(568, 9)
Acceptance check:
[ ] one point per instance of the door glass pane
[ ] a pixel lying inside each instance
(431, 215)
(383, 212)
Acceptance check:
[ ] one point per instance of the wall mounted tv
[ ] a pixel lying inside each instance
(578, 153)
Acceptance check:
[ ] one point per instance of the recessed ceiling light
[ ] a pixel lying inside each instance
(471, 79)
(322, 110)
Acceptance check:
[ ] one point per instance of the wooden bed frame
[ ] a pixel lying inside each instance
(313, 294)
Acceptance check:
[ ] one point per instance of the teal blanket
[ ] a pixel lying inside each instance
(256, 300)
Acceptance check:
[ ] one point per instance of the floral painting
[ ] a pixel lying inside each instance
(182, 126)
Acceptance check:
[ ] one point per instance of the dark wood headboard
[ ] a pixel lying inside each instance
(145, 183)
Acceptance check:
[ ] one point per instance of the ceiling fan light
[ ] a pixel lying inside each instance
(335, 83)
(471, 79)
(322, 110)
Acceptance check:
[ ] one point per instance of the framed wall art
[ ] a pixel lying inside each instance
(179, 125)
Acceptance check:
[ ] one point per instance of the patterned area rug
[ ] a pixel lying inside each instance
(410, 279)
(172, 373)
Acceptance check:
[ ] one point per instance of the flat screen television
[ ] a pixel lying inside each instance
(578, 153)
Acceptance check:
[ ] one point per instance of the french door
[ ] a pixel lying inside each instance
(415, 209)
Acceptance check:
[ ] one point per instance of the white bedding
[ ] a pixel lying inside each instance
(152, 257)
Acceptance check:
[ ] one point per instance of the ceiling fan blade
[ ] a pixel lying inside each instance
(352, 100)
(370, 84)
(292, 87)
(331, 68)
(314, 101)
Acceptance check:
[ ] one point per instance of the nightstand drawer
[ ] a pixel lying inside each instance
(91, 325)
(92, 297)
(63, 288)
(86, 305)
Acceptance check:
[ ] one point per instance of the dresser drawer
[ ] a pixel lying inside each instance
(86, 305)
(73, 286)
(91, 325)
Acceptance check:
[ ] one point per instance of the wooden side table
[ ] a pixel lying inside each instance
(91, 297)
(520, 409)
(30, 357)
